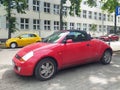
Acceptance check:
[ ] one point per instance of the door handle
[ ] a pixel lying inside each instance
(88, 44)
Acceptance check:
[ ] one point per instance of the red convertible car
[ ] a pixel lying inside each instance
(60, 50)
(110, 37)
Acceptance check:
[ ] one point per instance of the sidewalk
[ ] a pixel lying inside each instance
(115, 45)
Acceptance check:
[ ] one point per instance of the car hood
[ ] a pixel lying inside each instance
(32, 47)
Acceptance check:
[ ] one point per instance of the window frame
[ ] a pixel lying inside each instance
(24, 23)
(47, 7)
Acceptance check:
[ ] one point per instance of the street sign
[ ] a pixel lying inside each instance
(117, 10)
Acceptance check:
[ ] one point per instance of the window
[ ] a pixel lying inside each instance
(64, 11)
(85, 2)
(111, 18)
(76, 36)
(27, 35)
(108, 18)
(95, 15)
(24, 23)
(36, 5)
(27, 1)
(100, 28)
(36, 24)
(24, 36)
(100, 16)
(46, 7)
(64, 25)
(78, 26)
(89, 27)
(104, 28)
(90, 14)
(56, 9)
(72, 25)
(84, 14)
(32, 35)
(104, 17)
(84, 27)
(79, 15)
(47, 24)
(56, 25)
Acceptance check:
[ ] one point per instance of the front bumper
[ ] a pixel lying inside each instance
(23, 68)
(7, 45)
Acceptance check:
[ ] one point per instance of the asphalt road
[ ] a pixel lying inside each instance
(94, 76)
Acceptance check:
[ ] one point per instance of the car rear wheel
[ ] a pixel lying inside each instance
(106, 58)
(13, 45)
(110, 39)
(117, 39)
(103, 39)
(45, 69)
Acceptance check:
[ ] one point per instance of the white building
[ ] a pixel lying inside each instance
(43, 16)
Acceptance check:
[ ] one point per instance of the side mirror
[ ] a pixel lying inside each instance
(19, 37)
(69, 41)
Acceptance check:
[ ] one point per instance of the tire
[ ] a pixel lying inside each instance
(117, 39)
(37, 41)
(102, 39)
(45, 69)
(106, 58)
(110, 39)
(13, 45)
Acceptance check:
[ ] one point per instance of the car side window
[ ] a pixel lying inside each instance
(32, 35)
(76, 36)
(24, 36)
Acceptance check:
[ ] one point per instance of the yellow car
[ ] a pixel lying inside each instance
(22, 40)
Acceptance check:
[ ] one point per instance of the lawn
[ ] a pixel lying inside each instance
(2, 45)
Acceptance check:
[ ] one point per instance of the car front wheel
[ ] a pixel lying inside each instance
(106, 58)
(45, 69)
(13, 45)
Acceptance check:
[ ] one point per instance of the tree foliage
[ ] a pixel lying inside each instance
(19, 6)
(93, 27)
(75, 7)
(107, 5)
(110, 5)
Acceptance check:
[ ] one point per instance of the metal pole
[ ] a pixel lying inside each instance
(61, 16)
(102, 18)
(115, 25)
(39, 19)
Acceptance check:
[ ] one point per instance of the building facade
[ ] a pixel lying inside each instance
(43, 17)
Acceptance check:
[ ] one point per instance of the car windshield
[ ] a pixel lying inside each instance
(55, 37)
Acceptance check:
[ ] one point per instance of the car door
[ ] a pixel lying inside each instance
(24, 40)
(33, 38)
(78, 51)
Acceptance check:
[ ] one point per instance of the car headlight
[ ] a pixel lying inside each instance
(27, 56)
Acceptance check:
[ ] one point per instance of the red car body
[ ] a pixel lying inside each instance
(64, 54)
(111, 37)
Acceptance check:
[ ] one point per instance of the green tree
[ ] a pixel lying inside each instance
(76, 5)
(20, 6)
(93, 28)
(110, 6)
(107, 5)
